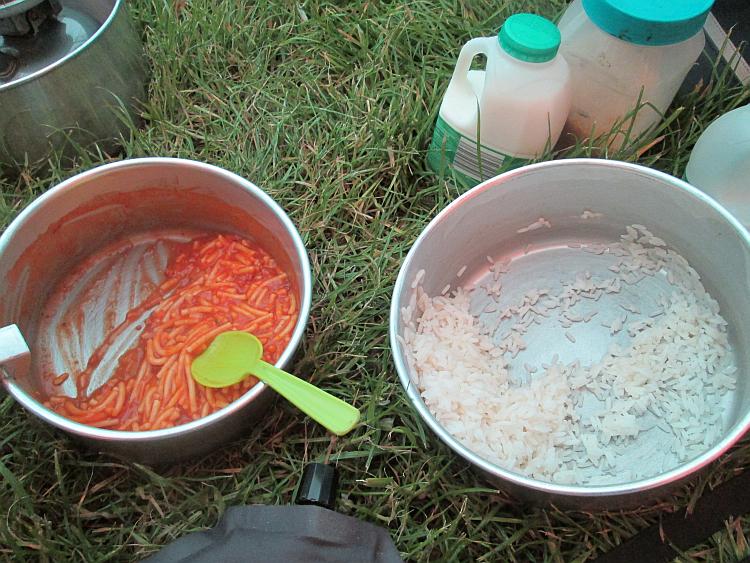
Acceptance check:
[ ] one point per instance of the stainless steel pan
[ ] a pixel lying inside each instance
(490, 220)
(125, 203)
(74, 82)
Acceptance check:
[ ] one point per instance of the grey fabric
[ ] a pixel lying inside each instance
(283, 533)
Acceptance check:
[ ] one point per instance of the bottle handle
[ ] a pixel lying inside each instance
(478, 46)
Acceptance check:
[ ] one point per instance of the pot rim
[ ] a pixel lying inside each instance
(403, 285)
(116, 8)
(92, 432)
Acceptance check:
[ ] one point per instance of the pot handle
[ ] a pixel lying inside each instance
(15, 357)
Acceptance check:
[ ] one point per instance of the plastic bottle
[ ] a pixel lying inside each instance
(623, 51)
(720, 162)
(514, 108)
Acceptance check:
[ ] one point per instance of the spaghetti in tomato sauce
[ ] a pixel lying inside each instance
(212, 284)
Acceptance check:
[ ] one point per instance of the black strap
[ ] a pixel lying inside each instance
(680, 530)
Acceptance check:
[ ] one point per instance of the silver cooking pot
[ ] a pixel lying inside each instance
(126, 201)
(71, 73)
(488, 221)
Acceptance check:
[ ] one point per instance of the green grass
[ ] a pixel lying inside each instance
(329, 106)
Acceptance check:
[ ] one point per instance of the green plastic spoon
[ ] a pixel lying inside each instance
(234, 355)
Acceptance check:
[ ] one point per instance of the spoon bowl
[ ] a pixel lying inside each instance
(229, 359)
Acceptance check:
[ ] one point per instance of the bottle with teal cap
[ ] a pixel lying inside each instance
(628, 59)
(501, 117)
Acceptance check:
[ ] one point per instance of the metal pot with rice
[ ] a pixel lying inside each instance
(577, 330)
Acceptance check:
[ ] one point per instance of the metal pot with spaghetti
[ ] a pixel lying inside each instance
(120, 277)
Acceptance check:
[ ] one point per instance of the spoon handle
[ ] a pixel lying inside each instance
(333, 413)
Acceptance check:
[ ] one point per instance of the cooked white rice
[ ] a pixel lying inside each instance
(673, 373)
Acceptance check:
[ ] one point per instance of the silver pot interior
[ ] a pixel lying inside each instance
(35, 35)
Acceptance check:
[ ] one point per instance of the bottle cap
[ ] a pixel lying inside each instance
(318, 486)
(530, 38)
(649, 22)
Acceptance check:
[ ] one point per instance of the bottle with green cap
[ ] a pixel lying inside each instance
(501, 117)
(628, 59)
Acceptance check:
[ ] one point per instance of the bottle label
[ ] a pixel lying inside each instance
(452, 153)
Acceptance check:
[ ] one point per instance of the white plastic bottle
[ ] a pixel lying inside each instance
(720, 162)
(514, 109)
(621, 52)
